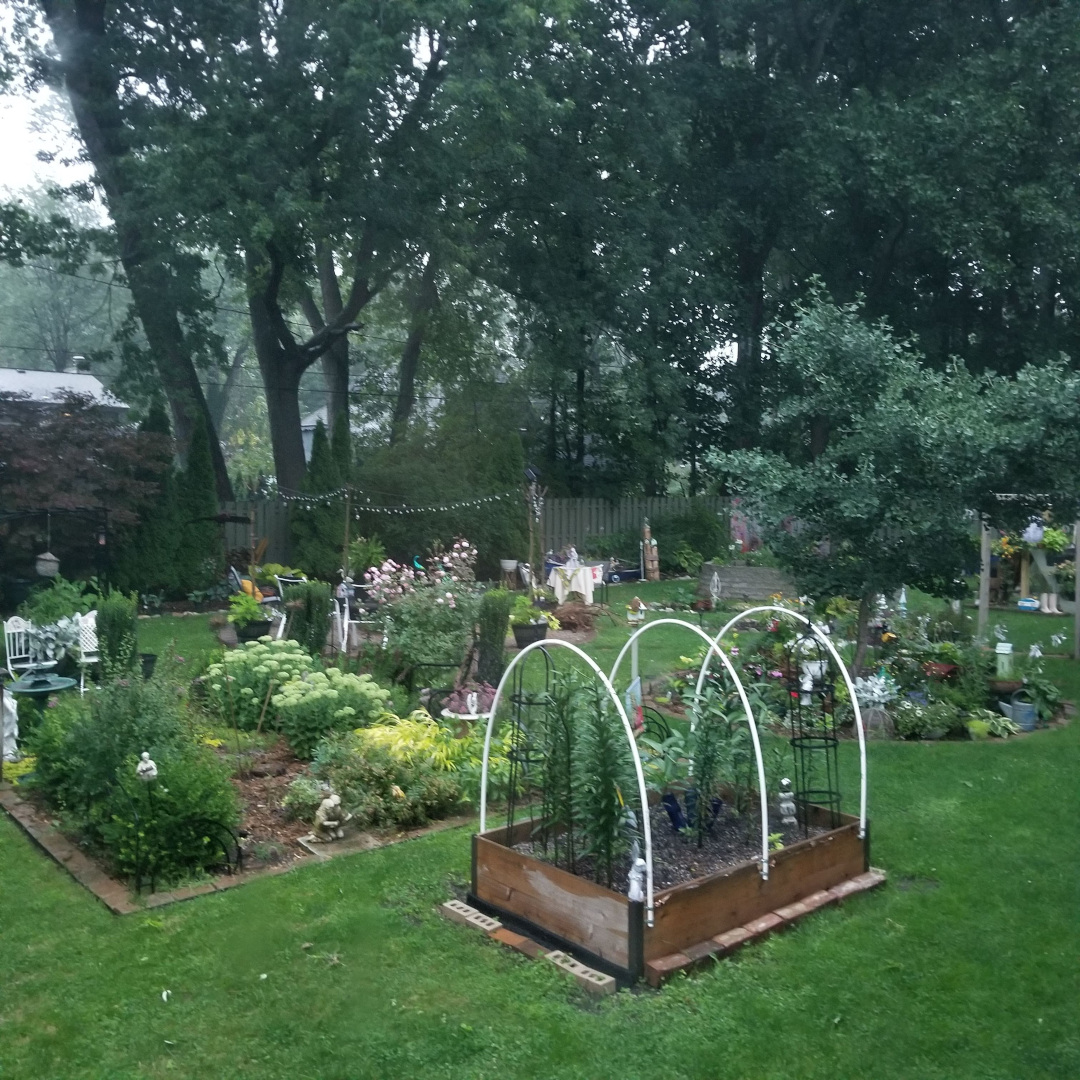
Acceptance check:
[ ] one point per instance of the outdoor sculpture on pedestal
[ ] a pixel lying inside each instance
(329, 820)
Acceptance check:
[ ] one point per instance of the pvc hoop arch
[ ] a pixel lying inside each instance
(627, 727)
(714, 648)
(827, 642)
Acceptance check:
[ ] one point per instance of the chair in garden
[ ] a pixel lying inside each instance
(283, 582)
(17, 646)
(89, 650)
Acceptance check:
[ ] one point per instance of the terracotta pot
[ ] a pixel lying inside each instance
(939, 671)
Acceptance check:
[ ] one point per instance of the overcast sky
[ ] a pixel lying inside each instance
(29, 126)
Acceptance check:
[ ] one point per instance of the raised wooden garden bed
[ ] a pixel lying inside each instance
(606, 929)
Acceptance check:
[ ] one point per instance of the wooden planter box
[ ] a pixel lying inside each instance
(606, 930)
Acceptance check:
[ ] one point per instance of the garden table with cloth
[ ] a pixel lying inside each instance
(580, 579)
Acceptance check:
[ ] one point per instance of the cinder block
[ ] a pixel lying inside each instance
(483, 922)
(595, 982)
(658, 971)
(457, 911)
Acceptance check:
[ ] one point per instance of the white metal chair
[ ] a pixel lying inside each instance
(283, 582)
(89, 650)
(17, 646)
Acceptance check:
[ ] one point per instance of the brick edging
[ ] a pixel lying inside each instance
(115, 895)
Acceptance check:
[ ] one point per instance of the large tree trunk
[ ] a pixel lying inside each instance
(424, 299)
(866, 607)
(282, 364)
(92, 86)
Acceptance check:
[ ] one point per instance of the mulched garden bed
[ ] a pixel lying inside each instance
(677, 858)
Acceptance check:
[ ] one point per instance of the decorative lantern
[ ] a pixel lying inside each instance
(47, 564)
(1003, 653)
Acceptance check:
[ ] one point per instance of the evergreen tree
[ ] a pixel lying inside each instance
(198, 549)
(146, 559)
(319, 530)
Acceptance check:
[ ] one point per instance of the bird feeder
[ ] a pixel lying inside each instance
(1003, 652)
(47, 565)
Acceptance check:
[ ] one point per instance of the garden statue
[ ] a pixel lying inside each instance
(714, 589)
(10, 740)
(146, 770)
(637, 881)
(472, 703)
(329, 820)
(787, 803)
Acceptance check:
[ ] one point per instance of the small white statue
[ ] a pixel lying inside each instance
(10, 738)
(472, 703)
(637, 880)
(787, 803)
(146, 770)
(329, 820)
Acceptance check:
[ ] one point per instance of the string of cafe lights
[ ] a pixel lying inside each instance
(308, 501)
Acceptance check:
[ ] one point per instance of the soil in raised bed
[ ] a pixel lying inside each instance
(732, 840)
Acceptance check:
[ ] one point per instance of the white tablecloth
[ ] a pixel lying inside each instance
(580, 580)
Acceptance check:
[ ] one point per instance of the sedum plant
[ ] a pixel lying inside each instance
(237, 686)
(310, 708)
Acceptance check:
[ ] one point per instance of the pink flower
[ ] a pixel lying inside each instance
(775, 674)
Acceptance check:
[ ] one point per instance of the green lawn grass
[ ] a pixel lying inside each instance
(964, 966)
(189, 636)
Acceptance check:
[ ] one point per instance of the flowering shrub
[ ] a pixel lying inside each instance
(430, 626)
(390, 581)
(456, 565)
(237, 686)
(312, 707)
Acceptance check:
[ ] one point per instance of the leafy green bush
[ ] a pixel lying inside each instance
(86, 753)
(431, 626)
(700, 531)
(80, 747)
(378, 788)
(308, 605)
(177, 828)
(237, 686)
(364, 553)
(310, 708)
(117, 631)
(493, 619)
(60, 599)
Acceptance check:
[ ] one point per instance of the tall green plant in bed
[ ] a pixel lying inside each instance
(308, 605)
(117, 631)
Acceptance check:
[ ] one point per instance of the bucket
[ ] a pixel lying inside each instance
(1022, 713)
(508, 566)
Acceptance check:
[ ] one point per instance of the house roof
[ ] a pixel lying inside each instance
(49, 387)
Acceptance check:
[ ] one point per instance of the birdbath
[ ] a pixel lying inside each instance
(38, 685)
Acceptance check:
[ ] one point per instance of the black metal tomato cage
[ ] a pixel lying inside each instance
(811, 714)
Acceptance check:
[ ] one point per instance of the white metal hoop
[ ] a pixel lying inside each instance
(827, 642)
(627, 727)
(715, 650)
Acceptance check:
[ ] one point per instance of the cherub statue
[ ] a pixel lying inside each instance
(329, 820)
(146, 770)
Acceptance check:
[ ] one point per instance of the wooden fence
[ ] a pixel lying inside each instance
(570, 521)
(271, 522)
(565, 521)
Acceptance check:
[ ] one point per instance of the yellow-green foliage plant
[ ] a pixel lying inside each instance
(238, 685)
(418, 737)
(310, 708)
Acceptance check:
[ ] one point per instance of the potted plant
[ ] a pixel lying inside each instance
(529, 622)
(248, 616)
